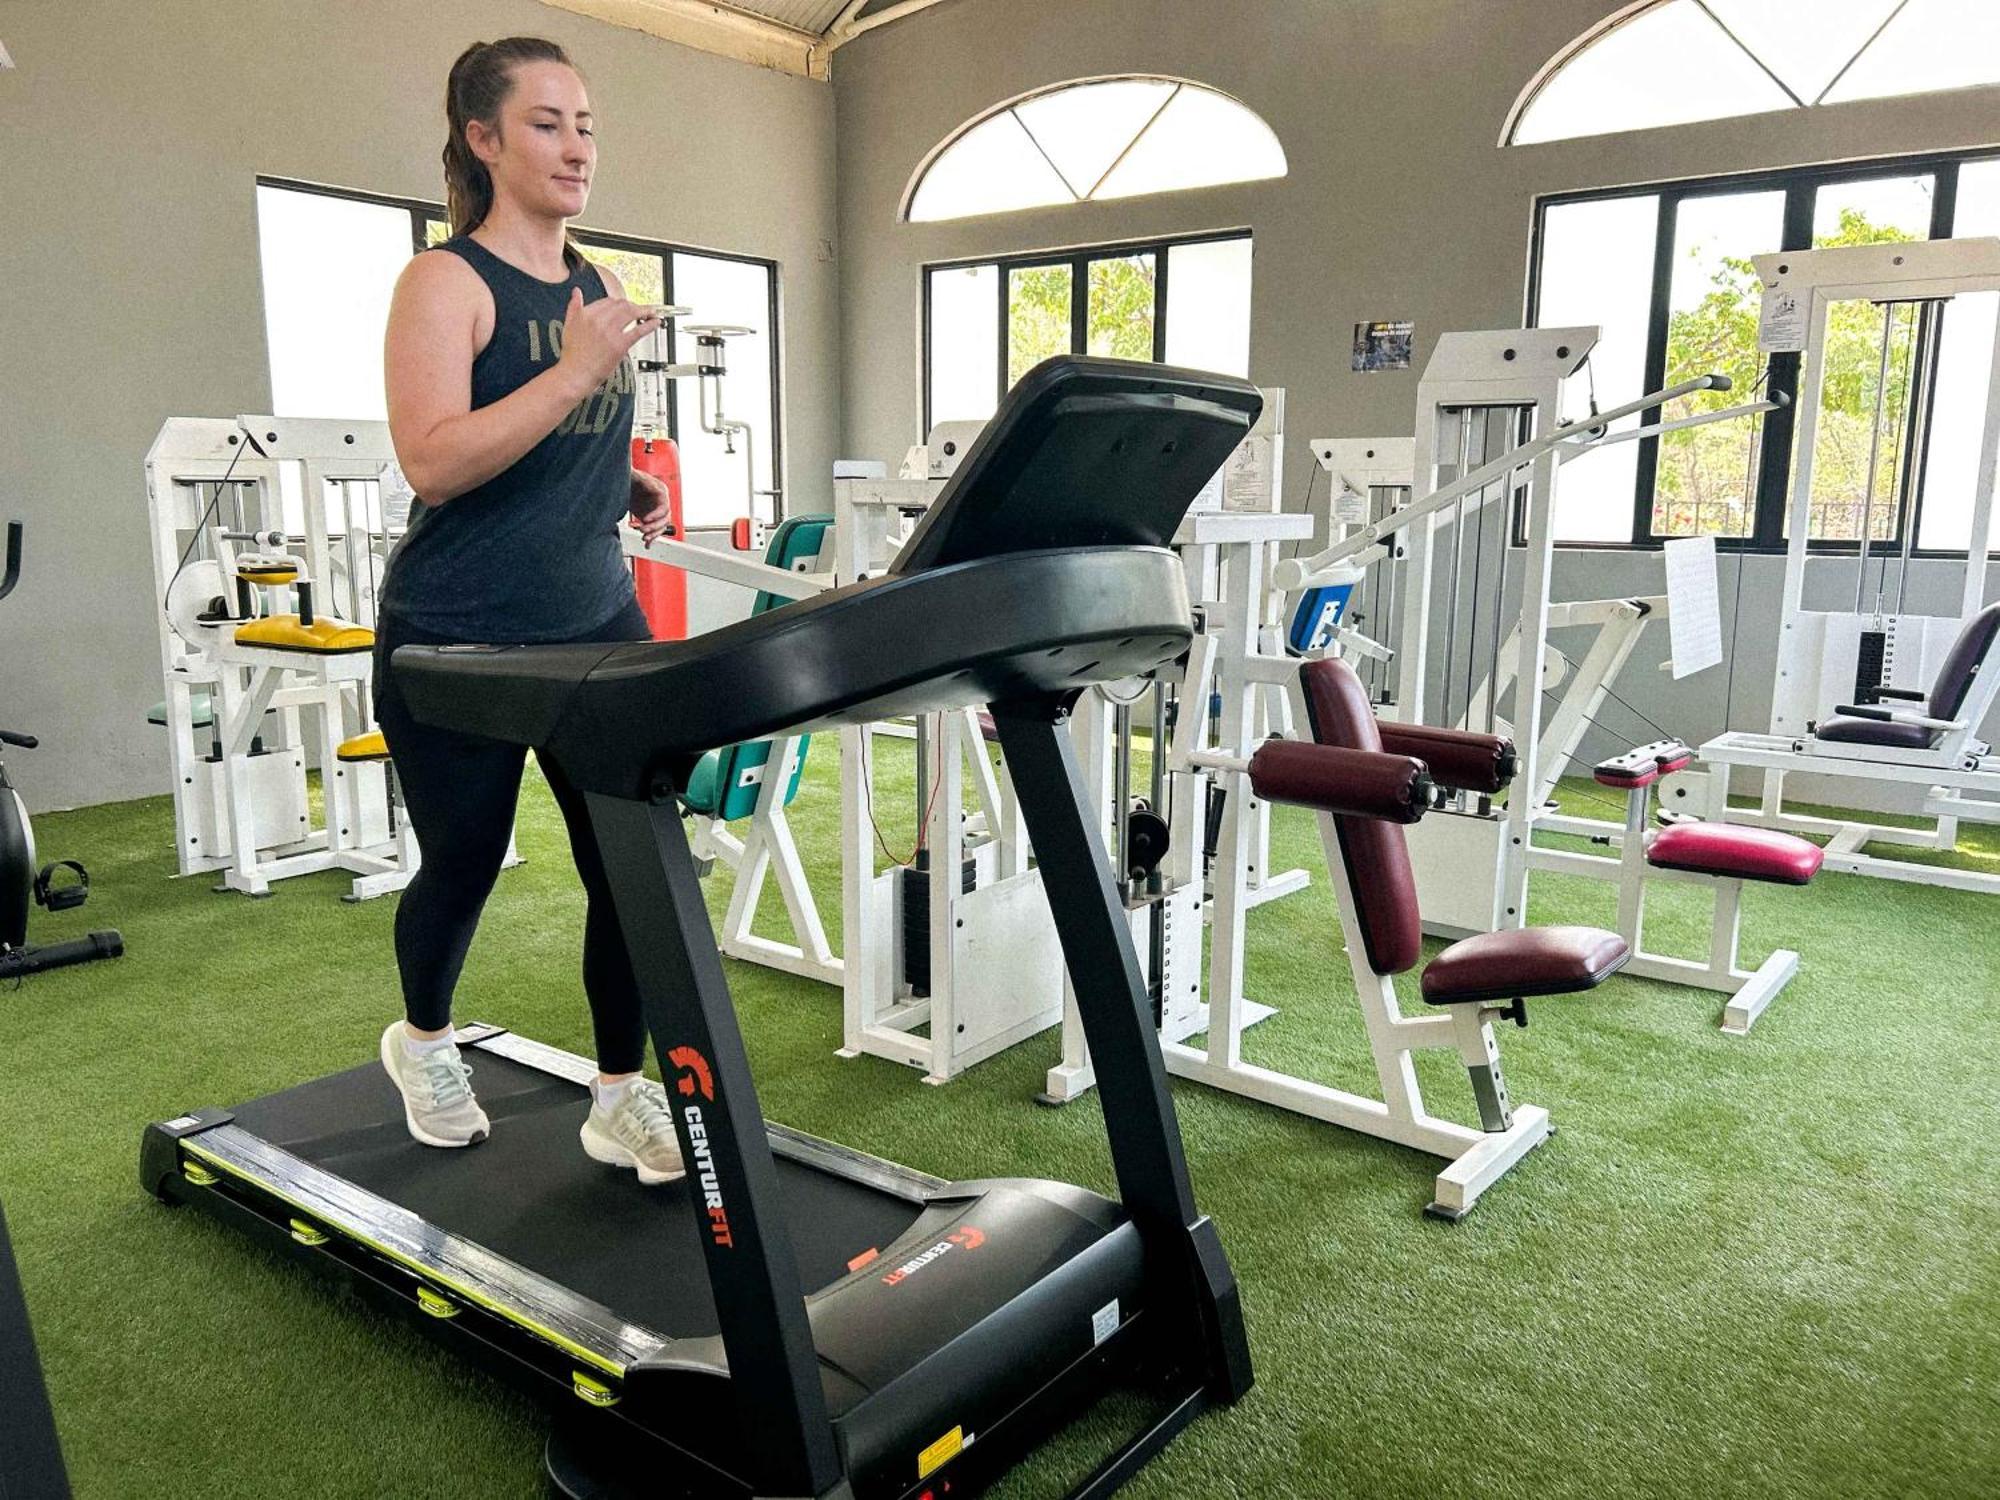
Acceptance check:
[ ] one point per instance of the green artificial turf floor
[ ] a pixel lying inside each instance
(1760, 1266)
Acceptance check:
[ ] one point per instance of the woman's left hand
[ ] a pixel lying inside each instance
(651, 512)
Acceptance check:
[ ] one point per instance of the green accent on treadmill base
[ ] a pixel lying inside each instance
(470, 1295)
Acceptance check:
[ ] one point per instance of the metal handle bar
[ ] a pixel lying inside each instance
(1296, 573)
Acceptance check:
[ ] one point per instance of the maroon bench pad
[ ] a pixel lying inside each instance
(1845, 729)
(1376, 860)
(1724, 849)
(1522, 962)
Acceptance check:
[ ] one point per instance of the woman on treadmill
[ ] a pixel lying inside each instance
(510, 404)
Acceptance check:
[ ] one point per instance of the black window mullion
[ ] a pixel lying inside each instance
(1005, 276)
(673, 356)
(780, 501)
(1079, 305)
(1944, 200)
(1647, 481)
(1774, 469)
(1160, 258)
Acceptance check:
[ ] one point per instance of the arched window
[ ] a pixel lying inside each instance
(1103, 138)
(1671, 62)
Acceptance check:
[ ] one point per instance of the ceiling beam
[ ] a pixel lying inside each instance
(851, 23)
(715, 28)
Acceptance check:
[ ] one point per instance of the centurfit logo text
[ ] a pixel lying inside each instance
(967, 1238)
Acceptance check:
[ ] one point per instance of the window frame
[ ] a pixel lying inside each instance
(941, 152)
(1801, 186)
(1578, 47)
(1078, 259)
(423, 212)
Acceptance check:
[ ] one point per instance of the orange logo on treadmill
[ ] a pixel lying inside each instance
(694, 1073)
(694, 1077)
(965, 1238)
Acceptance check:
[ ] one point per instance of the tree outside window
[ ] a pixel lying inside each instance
(1706, 479)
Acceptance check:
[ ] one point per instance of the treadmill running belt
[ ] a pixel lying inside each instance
(530, 1194)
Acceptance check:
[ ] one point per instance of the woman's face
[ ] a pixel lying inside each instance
(543, 155)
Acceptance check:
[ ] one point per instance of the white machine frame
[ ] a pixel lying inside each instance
(1959, 777)
(994, 960)
(766, 851)
(1750, 991)
(1234, 656)
(1237, 651)
(246, 815)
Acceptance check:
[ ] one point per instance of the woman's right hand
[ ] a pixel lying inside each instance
(598, 335)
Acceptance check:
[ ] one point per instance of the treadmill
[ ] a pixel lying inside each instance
(794, 1318)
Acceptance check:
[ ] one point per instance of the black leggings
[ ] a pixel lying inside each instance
(459, 791)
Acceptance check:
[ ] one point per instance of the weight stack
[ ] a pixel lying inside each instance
(916, 892)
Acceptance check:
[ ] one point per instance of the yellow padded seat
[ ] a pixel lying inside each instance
(324, 637)
(369, 746)
(268, 573)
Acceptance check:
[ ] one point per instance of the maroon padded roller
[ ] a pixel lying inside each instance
(1362, 782)
(1376, 859)
(1457, 758)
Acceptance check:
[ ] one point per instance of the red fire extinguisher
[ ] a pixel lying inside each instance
(662, 587)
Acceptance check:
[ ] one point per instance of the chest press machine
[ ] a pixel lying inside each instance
(1482, 402)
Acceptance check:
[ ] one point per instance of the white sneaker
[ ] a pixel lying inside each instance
(636, 1132)
(437, 1092)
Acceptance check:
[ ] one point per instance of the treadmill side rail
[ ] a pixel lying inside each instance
(325, 1211)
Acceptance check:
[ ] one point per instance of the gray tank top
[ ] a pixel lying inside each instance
(532, 554)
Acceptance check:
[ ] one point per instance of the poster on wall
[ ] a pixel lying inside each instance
(1383, 346)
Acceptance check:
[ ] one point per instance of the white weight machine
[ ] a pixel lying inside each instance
(1488, 453)
(270, 536)
(951, 955)
(1855, 690)
(960, 960)
(1238, 650)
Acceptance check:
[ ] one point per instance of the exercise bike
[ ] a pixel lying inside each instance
(61, 885)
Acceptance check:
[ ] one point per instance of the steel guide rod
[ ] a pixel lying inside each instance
(1296, 573)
